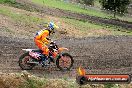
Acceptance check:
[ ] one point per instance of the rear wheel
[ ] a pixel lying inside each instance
(64, 62)
(23, 62)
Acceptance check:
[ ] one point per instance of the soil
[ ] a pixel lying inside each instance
(102, 55)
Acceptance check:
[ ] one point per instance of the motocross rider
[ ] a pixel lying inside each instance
(41, 39)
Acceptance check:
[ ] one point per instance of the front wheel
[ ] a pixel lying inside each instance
(23, 62)
(64, 62)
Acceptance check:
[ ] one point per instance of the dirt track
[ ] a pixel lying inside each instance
(98, 55)
(102, 54)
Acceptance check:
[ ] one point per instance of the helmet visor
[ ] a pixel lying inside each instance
(55, 26)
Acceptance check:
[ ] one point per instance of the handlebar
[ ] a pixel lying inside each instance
(53, 46)
(52, 42)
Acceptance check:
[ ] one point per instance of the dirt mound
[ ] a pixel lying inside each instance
(10, 81)
(26, 80)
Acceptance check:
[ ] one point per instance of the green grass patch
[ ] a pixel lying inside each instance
(77, 8)
(7, 1)
(16, 4)
(33, 83)
(21, 18)
(82, 24)
(71, 7)
(85, 26)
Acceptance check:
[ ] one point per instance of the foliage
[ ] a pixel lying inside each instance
(117, 6)
(33, 83)
(108, 85)
(8, 1)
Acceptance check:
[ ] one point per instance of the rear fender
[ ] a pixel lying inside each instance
(28, 49)
(32, 54)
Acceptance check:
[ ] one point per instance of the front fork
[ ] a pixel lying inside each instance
(63, 59)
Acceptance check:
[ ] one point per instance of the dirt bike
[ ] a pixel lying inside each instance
(33, 57)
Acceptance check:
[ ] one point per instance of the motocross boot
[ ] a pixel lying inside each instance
(51, 58)
(44, 61)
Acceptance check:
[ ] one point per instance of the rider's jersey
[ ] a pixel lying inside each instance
(42, 36)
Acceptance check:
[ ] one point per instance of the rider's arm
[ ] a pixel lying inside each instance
(44, 37)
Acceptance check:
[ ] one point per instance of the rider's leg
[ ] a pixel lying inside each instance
(43, 47)
(45, 50)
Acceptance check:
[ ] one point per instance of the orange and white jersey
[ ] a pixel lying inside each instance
(42, 36)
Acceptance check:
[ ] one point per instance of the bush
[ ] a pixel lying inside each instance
(7, 1)
(117, 6)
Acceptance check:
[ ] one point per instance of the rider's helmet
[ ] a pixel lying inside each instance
(51, 27)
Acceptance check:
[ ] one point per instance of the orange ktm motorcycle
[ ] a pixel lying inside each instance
(33, 57)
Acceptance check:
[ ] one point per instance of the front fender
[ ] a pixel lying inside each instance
(62, 49)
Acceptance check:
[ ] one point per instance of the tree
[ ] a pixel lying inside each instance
(117, 6)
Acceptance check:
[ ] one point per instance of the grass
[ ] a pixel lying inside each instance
(71, 7)
(33, 83)
(19, 17)
(82, 25)
(77, 8)
(8, 1)
(87, 27)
